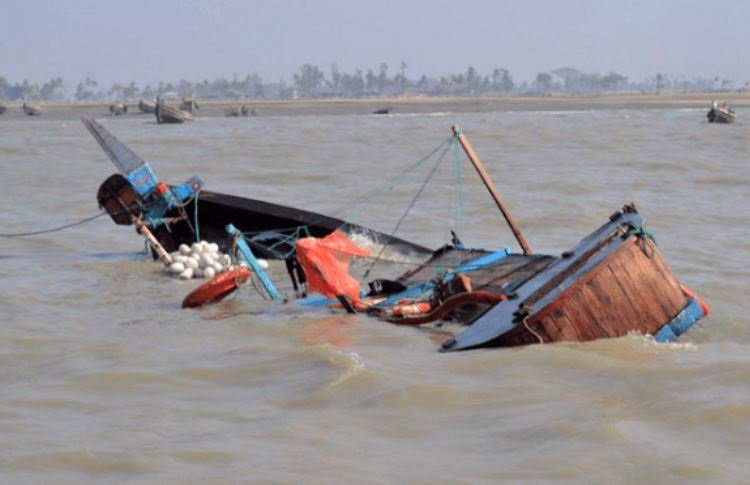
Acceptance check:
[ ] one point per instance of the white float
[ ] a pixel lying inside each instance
(202, 260)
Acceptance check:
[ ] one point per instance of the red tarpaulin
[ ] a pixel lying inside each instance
(326, 264)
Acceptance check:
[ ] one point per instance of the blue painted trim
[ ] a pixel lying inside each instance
(317, 301)
(484, 261)
(246, 254)
(410, 293)
(187, 189)
(681, 322)
(473, 265)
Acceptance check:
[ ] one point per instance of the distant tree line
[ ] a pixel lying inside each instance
(311, 82)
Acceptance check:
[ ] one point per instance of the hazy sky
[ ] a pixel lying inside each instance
(148, 41)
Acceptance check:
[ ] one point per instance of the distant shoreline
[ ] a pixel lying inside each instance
(424, 104)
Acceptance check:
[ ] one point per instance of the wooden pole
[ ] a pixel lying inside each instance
(143, 230)
(491, 188)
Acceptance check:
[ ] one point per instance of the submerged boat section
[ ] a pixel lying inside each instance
(613, 282)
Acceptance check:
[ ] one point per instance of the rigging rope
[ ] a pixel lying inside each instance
(390, 184)
(409, 207)
(54, 229)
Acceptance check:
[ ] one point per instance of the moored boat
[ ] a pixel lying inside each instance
(167, 113)
(189, 104)
(32, 109)
(614, 281)
(146, 106)
(117, 109)
(720, 113)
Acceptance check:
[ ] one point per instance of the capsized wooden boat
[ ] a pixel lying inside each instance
(720, 114)
(614, 281)
(611, 283)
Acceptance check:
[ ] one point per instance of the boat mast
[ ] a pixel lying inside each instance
(491, 188)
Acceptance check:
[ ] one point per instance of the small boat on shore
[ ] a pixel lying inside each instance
(32, 109)
(720, 113)
(146, 106)
(118, 109)
(236, 111)
(190, 105)
(167, 113)
(613, 282)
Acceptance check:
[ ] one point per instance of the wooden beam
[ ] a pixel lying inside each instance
(491, 188)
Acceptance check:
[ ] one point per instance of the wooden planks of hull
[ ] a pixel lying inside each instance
(631, 290)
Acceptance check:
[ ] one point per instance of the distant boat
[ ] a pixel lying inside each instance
(189, 104)
(381, 111)
(245, 111)
(146, 106)
(235, 111)
(32, 109)
(165, 113)
(720, 114)
(118, 109)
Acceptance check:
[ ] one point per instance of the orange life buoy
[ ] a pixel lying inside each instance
(217, 288)
(450, 304)
(409, 309)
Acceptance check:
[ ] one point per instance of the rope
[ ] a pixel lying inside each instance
(526, 324)
(390, 184)
(195, 216)
(409, 208)
(646, 238)
(298, 231)
(638, 231)
(54, 229)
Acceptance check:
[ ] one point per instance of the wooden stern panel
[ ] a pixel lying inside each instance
(631, 290)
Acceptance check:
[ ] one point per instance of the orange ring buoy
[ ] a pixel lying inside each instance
(450, 303)
(217, 288)
(689, 293)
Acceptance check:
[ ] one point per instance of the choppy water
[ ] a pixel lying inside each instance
(104, 379)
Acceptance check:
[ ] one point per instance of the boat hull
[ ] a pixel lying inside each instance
(613, 283)
(169, 114)
(273, 227)
(720, 115)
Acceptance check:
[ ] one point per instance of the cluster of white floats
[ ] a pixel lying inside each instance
(201, 260)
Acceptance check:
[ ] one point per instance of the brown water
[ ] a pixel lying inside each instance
(104, 379)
